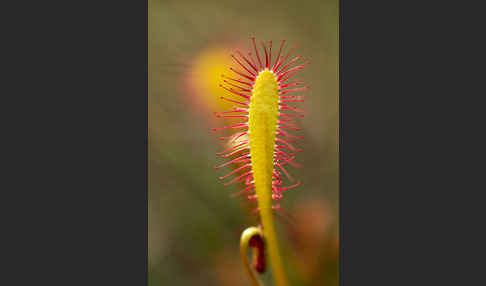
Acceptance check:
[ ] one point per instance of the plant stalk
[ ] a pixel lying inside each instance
(271, 242)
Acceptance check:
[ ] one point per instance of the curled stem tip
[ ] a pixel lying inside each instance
(253, 237)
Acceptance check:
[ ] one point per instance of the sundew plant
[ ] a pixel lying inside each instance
(264, 144)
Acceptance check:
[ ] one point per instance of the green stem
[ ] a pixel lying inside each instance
(246, 235)
(271, 242)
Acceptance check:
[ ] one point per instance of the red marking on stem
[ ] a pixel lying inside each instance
(242, 65)
(297, 68)
(281, 133)
(252, 197)
(294, 90)
(235, 171)
(283, 161)
(270, 55)
(289, 120)
(231, 148)
(282, 147)
(252, 65)
(250, 56)
(266, 54)
(288, 128)
(249, 179)
(235, 92)
(237, 110)
(234, 152)
(290, 146)
(291, 84)
(288, 64)
(280, 152)
(237, 80)
(288, 188)
(252, 79)
(292, 96)
(291, 115)
(288, 54)
(295, 165)
(237, 86)
(288, 77)
(256, 52)
(238, 178)
(247, 189)
(242, 103)
(277, 197)
(293, 108)
(234, 137)
(278, 57)
(232, 116)
(240, 125)
(290, 101)
(285, 172)
(237, 160)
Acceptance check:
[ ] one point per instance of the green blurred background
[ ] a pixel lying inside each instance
(194, 226)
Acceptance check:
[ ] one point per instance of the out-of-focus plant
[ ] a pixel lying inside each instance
(315, 241)
(203, 78)
(265, 143)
